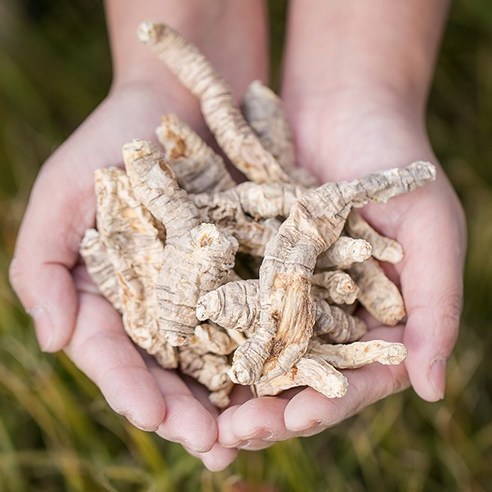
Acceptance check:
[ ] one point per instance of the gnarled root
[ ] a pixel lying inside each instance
(197, 257)
(219, 109)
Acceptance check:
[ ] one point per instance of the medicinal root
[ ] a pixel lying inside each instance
(256, 283)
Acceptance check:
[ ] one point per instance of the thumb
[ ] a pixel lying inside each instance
(46, 251)
(431, 282)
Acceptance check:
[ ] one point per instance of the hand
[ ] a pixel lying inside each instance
(68, 311)
(344, 138)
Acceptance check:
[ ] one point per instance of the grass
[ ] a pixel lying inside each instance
(56, 432)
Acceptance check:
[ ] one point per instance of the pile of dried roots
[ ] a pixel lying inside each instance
(255, 283)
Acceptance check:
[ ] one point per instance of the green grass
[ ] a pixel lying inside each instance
(56, 432)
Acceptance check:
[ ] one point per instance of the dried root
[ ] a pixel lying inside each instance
(343, 253)
(336, 287)
(214, 339)
(251, 235)
(236, 306)
(197, 257)
(100, 268)
(335, 325)
(377, 293)
(258, 201)
(197, 166)
(311, 371)
(209, 370)
(264, 112)
(135, 256)
(358, 354)
(168, 232)
(224, 119)
(383, 248)
(249, 211)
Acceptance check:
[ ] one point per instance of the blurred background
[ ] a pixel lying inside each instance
(57, 433)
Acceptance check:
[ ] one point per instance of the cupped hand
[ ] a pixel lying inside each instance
(344, 139)
(68, 311)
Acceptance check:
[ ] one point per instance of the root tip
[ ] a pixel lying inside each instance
(147, 31)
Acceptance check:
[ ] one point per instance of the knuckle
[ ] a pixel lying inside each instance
(16, 274)
(449, 315)
(399, 380)
(451, 310)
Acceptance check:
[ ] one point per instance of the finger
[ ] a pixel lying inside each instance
(46, 250)
(431, 278)
(226, 435)
(187, 420)
(102, 350)
(239, 395)
(218, 458)
(255, 444)
(83, 281)
(200, 393)
(311, 412)
(257, 419)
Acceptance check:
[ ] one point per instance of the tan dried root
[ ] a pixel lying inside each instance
(238, 210)
(198, 257)
(236, 336)
(217, 103)
(383, 248)
(133, 244)
(235, 306)
(197, 166)
(213, 338)
(316, 221)
(264, 112)
(251, 235)
(324, 378)
(378, 294)
(343, 253)
(100, 268)
(358, 354)
(209, 370)
(311, 370)
(164, 287)
(336, 287)
(335, 325)
(259, 201)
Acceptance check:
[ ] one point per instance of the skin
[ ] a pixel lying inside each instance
(356, 78)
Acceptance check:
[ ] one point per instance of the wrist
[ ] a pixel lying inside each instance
(354, 131)
(232, 35)
(380, 49)
(358, 100)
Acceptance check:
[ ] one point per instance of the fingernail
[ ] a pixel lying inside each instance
(314, 429)
(259, 434)
(231, 445)
(309, 425)
(135, 422)
(200, 449)
(43, 327)
(437, 377)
